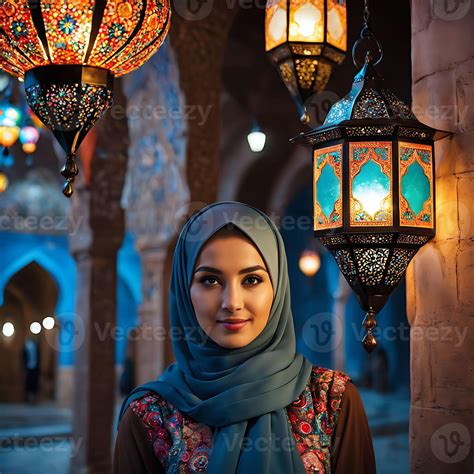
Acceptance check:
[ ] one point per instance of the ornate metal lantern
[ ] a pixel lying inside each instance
(374, 199)
(305, 39)
(70, 52)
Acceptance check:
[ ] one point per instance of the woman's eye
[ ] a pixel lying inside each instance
(208, 281)
(254, 280)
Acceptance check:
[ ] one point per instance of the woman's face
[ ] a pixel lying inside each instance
(231, 290)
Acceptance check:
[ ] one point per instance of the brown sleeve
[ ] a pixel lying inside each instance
(133, 453)
(352, 452)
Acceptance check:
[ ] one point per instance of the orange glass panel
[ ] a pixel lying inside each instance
(306, 21)
(337, 24)
(68, 26)
(144, 44)
(275, 23)
(16, 22)
(118, 24)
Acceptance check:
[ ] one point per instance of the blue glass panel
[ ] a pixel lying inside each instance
(328, 190)
(370, 187)
(415, 187)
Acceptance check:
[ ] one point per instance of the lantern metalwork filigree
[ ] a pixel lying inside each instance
(69, 52)
(374, 196)
(305, 39)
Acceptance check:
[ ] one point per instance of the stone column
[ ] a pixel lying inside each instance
(95, 248)
(440, 281)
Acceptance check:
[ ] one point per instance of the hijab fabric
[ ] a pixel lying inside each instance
(243, 393)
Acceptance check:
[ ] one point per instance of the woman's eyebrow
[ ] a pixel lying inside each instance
(218, 272)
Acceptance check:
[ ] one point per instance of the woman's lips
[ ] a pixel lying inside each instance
(234, 326)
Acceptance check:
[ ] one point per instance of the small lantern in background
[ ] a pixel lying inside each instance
(3, 182)
(309, 263)
(29, 137)
(373, 178)
(305, 40)
(256, 139)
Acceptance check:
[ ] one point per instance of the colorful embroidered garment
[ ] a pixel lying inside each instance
(183, 445)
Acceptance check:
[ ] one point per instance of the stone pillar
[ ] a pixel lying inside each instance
(95, 248)
(440, 281)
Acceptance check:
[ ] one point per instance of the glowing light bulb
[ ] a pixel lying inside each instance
(306, 18)
(48, 322)
(8, 329)
(256, 139)
(35, 327)
(309, 263)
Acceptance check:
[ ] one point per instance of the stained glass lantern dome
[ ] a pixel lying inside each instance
(305, 40)
(69, 52)
(373, 195)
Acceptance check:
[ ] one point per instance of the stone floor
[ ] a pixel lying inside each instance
(37, 439)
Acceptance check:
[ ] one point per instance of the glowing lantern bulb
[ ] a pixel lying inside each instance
(309, 263)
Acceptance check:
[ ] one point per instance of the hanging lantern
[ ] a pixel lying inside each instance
(309, 263)
(69, 53)
(3, 182)
(305, 39)
(29, 137)
(10, 118)
(373, 178)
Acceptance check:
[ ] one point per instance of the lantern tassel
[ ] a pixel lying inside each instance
(69, 171)
(369, 342)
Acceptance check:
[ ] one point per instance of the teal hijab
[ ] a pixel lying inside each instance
(243, 393)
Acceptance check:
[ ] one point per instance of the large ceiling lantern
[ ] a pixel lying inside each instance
(305, 39)
(68, 53)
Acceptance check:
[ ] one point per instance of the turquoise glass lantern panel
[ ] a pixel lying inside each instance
(371, 184)
(416, 185)
(328, 187)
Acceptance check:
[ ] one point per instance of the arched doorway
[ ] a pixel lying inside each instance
(30, 295)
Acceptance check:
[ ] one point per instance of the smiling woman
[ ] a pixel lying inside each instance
(239, 398)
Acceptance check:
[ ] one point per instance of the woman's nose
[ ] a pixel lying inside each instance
(232, 299)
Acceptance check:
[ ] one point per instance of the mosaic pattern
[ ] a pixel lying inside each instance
(398, 264)
(327, 175)
(306, 49)
(371, 238)
(342, 110)
(370, 105)
(333, 55)
(69, 107)
(369, 130)
(346, 265)
(306, 69)
(370, 182)
(325, 136)
(413, 239)
(322, 78)
(416, 185)
(371, 264)
(128, 33)
(288, 76)
(413, 133)
(399, 108)
(333, 240)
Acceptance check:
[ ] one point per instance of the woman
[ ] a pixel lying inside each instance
(239, 399)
